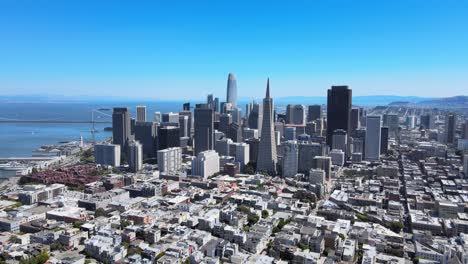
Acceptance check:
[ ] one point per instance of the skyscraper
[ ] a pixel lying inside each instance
(339, 103)
(204, 128)
(168, 137)
(141, 113)
(121, 127)
(465, 166)
(256, 116)
(157, 117)
(295, 114)
(450, 128)
(372, 143)
(465, 130)
(135, 160)
(384, 140)
(314, 112)
(290, 158)
(267, 158)
(355, 124)
(232, 90)
(145, 133)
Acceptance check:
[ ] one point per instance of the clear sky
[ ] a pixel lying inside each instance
(185, 49)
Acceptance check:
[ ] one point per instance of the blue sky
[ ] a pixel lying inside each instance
(185, 49)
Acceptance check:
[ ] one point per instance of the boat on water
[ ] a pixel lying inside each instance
(108, 129)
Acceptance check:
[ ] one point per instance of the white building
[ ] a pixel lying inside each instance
(242, 153)
(372, 141)
(107, 154)
(171, 117)
(290, 158)
(141, 113)
(205, 164)
(135, 158)
(170, 160)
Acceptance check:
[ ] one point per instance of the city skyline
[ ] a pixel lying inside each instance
(96, 49)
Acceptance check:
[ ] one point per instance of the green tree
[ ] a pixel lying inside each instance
(77, 224)
(100, 212)
(396, 226)
(265, 214)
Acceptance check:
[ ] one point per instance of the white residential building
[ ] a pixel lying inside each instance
(205, 164)
(170, 160)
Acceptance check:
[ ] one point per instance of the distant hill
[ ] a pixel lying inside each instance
(448, 102)
(369, 100)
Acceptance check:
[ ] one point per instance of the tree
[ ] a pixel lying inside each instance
(396, 226)
(253, 219)
(77, 224)
(303, 246)
(265, 214)
(100, 212)
(362, 217)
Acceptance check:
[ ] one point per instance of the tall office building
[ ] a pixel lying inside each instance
(210, 101)
(216, 105)
(236, 115)
(314, 112)
(170, 160)
(168, 137)
(184, 125)
(170, 117)
(146, 133)
(121, 127)
(392, 122)
(204, 128)
(317, 176)
(427, 121)
(355, 122)
(295, 114)
(186, 107)
(337, 157)
(189, 115)
(248, 108)
(235, 132)
(141, 113)
(384, 140)
(450, 128)
(107, 154)
(157, 117)
(410, 122)
(290, 158)
(232, 90)
(256, 116)
(307, 152)
(372, 143)
(465, 166)
(290, 133)
(205, 164)
(135, 158)
(267, 158)
(242, 153)
(225, 121)
(465, 130)
(323, 163)
(249, 133)
(340, 140)
(339, 101)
